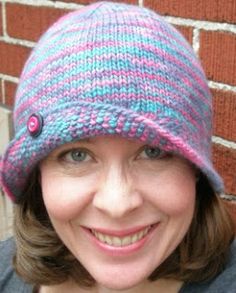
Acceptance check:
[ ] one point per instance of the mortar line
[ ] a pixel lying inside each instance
(140, 3)
(15, 41)
(3, 91)
(221, 86)
(46, 3)
(224, 142)
(228, 197)
(196, 41)
(202, 24)
(4, 20)
(9, 78)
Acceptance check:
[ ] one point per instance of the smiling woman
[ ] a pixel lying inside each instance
(112, 208)
(110, 168)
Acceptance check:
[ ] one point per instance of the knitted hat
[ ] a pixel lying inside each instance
(110, 68)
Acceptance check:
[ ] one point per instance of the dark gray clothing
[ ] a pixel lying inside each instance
(11, 283)
(225, 282)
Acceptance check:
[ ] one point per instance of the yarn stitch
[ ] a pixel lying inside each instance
(111, 68)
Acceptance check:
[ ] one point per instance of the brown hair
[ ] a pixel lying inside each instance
(42, 259)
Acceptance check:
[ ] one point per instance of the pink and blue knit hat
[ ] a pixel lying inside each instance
(105, 69)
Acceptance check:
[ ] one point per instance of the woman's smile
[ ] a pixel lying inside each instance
(121, 242)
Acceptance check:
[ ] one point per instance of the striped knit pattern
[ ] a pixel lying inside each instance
(111, 68)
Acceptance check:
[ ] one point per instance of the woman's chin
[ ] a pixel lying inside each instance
(123, 281)
(118, 285)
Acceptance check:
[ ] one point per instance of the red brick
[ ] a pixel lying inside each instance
(225, 162)
(224, 122)
(1, 29)
(29, 22)
(12, 58)
(93, 1)
(220, 11)
(187, 32)
(10, 90)
(231, 207)
(217, 52)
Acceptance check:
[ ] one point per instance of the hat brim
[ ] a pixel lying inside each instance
(82, 120)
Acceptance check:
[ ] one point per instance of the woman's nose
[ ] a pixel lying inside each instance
(116, 194)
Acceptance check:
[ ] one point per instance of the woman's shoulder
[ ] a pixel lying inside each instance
(9, 281)
(7, 250)
(225, 282)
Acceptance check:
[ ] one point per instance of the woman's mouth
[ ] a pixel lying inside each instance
(121, 241)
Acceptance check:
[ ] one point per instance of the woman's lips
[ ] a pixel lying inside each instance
(120, 233)
(120, 242)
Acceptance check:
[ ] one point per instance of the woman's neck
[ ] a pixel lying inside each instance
(162, 286)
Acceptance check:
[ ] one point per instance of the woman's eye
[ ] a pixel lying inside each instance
(153, 153)
(76, 155)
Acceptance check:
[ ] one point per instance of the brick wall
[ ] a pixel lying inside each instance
(210, 27)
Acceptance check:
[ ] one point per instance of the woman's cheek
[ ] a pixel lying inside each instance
(65, 197)
(178, 200)
(172, 192)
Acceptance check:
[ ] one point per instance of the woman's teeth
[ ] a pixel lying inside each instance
(120, 241)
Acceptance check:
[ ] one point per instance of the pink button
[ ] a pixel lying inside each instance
(35, 124)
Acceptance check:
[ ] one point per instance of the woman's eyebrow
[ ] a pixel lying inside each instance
(86, 140)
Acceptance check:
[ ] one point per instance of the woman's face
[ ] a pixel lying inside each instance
(120, 206)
